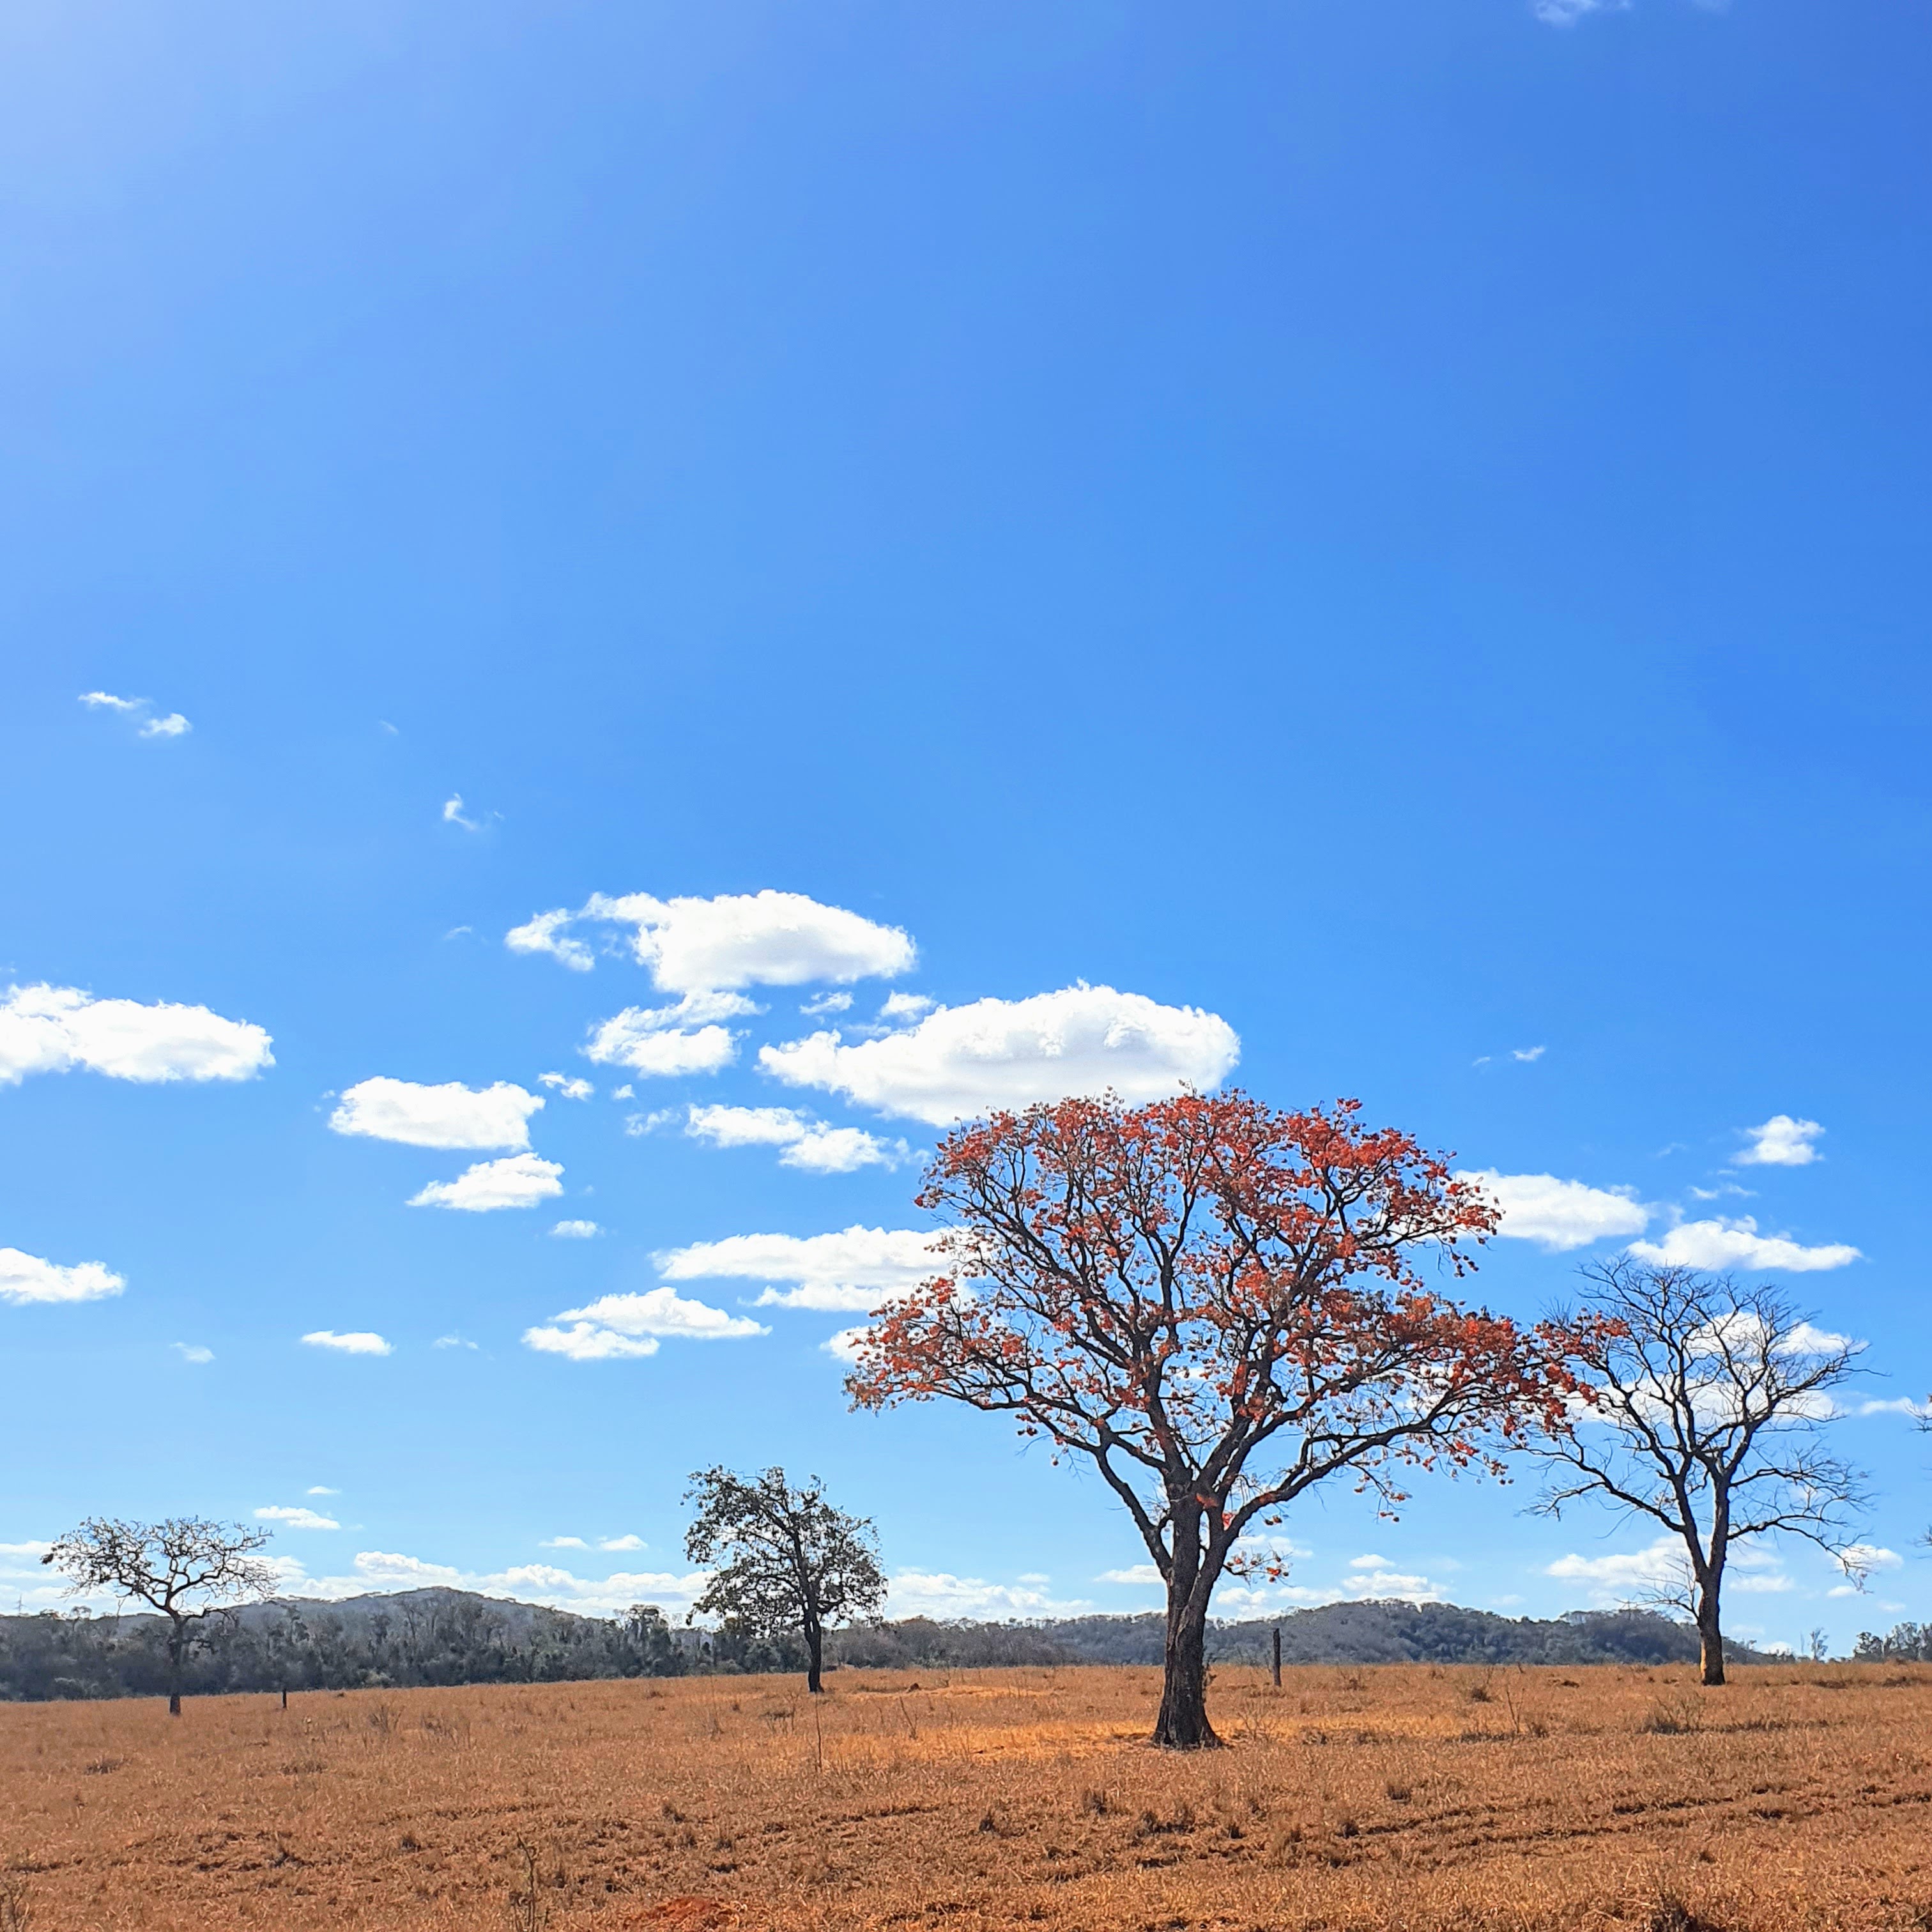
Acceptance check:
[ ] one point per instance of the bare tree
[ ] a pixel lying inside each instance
(1703, 1408)
(792, 1561)
(187, 1568)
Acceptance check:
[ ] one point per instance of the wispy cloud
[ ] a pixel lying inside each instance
(356, 1341)
(194, 1352)
(169, 724)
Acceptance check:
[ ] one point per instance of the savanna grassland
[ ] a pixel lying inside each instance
(1409, 1797)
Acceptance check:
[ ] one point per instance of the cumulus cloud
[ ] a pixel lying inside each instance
(1377, 1577)
(563, 1542)
(698, 945)
(47, 1029)
(576, 1230)
(615, 1327)
(357, 1342)
(845, 1345)
(853, 1270)
(193, 1352)
(962, 1060)
(296, 1518)
(1140, 1575)
(1724, 1244)
(805, 1143)
(622, 1542)
(380, 1570)
(1558, 1215)
(172, 725)
(1861, 1559)
(25, 1278)
(669, 1041)
(825, 1003)
(571, 1089)
(941, 1594)
(441, 1341)
(1528, 1053)
(1623, 1574)
(449, 1116)
(1781, 1141)
(518, 1180)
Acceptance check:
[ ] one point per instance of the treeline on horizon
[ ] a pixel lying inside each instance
(438, 1637)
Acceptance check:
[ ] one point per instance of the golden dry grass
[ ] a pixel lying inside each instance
(1391, 1797)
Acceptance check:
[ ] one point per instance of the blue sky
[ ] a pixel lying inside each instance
(1390, 538)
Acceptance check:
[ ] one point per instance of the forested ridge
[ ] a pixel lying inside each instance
(438, 1637)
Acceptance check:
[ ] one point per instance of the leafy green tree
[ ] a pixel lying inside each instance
(186, 1567)
(786, 1559)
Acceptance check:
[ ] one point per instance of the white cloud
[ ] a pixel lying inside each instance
(1781, 1141)
(939, 1594)
(1723, 1244)
(853, 1270)
(762, 939)
(47, 1029)
(357, 1342)
(441, 1341)
(519, 1180)
(1764, 1583)
(1140, 1575)
(845, 1345)
(449, 1116)
(1804, 1339)
(669, 1041)
(173, 725)
(570, 1090)
(296, 1518)
(615, 1327)
(585, 1342)
(622, 1542)
(563, 1542)
(576, 1230)
(1862, 1558)
(194, 1352)
(453, 813)
(1528, 1053)
(825, 1003)
(1558, 1215)
(320, 1489)
(1625, 1573)
(1376, 1577)
(378, 1570)
(903, 1008)
(1567, 12)
(807, 1143)
(1901, 1405)
(963, 1061)
(25, 1278)
(545, 934)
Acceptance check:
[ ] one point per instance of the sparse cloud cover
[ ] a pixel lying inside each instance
(46, 1029)
(803, 1141)
(941, 1594)
(1560, 1215)
(449, 1116)
(767, 938)
(1567, 12)
(851, 1271)
(379, 1570)
(141, 711)
(668, 1041)
(194, 1353)
(518, 1180)
(1721, 1244)
(569, 1086)
(294, 1516)
(615, 1327)
(961, 1060)
(576, 1230)
(453, 813)
(26, 1278)
(356, 1341)
(1781, 1141)
(1626, 1576)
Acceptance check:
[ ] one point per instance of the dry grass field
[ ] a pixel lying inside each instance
(1387, 1797)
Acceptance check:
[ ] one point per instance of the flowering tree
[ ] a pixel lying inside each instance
(1222, 1305)
(1707, 1407)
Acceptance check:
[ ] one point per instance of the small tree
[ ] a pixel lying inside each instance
(1220, 1305)
(790, 1561)
(1703, 1408)
(186, 1567)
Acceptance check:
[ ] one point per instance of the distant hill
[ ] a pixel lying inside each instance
(455, 1636)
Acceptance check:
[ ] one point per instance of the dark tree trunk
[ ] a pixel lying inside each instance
(1710, 1637)
(814, 1645)
(1183, 1722)
(176, 1643)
